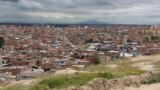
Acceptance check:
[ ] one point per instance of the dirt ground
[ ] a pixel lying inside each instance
(144, 66)
(145, 87)
(146, 62)
(24, 82)
(65, 71)
(112, 66)
(153, 58)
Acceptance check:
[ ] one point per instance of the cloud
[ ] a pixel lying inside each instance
(50, 15)
(111, 11)
(29, 4)
(10, 0)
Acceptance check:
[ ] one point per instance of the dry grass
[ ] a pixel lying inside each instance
(123, 68)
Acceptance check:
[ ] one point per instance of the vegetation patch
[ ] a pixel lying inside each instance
(157, 65)
(123, 68)
(78, 79)
(14, 87)
(152, 79)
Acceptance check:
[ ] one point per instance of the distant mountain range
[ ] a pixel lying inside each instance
(92, 22)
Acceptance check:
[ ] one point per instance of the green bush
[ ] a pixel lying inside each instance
(54, 82)
(106, 75)
(151, 80)
(95, 59)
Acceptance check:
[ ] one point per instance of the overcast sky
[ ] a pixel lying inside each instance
(72, 11)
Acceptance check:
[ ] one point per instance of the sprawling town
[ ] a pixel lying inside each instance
(29, 52)
(79, 44)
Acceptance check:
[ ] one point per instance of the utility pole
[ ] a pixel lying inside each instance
(18, 73)
(0, 58)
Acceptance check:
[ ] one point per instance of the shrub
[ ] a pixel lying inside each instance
(54, 82)
(106, 75)
(151, 80)
(95, 59)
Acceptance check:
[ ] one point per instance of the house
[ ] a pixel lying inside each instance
(127, 54)
(81, 62)
(15, 70)
(47, 66)
(29, 74)
(141, 49)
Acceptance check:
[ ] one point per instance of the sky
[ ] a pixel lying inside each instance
(73, 11)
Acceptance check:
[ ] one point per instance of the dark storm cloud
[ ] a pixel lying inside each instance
(116, 11)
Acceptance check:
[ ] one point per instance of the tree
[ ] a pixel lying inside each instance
(146, 39)
(95, 59)
(153, 37)
(1, 42)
